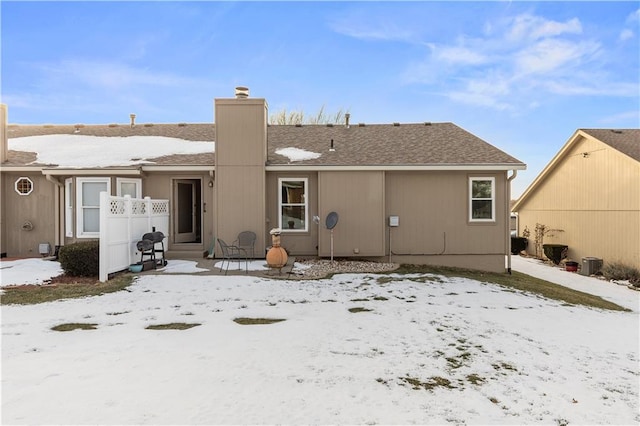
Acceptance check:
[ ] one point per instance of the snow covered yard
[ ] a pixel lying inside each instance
(424, 349)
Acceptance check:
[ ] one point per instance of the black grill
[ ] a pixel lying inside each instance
(152, 245)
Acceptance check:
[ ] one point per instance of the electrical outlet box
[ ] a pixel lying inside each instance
(394, 220)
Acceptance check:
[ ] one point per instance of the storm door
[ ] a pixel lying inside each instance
(186, 211)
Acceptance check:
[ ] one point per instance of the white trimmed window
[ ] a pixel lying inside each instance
(292, 201)
(88, 205)
(482, 202)
(24, 186)
(131, 187)
(68, 207)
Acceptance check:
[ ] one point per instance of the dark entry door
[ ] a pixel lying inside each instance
(186, 215)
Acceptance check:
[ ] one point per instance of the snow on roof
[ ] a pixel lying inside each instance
(297, 154)
(98, 151)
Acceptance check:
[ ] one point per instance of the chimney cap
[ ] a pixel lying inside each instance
(242, 92)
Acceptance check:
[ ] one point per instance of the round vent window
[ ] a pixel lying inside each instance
(24, 186)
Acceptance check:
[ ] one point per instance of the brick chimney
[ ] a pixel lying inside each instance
(4, 137)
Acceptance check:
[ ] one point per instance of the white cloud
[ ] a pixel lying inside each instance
(626, 34)
(529, 27)
(551, 54)
(634, 16)
(459, 55)
(366, 29)
(112, 75)
(479, 99)
(512, 63)
(569, 87)
(623, 117)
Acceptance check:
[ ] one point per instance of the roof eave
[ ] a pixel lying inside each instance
(67, 171)
(417, 167)
(181, 168)
(550, 167)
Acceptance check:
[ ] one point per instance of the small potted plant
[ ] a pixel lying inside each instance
(571, 266)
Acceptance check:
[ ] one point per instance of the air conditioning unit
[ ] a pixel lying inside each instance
(590, 266)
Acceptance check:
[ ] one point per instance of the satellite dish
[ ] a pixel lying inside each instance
(332, 220)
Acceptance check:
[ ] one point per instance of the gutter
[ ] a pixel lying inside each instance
(92, 172)
(404, 167)
(508, 218)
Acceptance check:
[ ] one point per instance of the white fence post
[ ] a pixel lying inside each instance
(104, 252)
(128, 210)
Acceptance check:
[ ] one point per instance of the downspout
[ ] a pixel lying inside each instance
(508, 217)
(59, 189)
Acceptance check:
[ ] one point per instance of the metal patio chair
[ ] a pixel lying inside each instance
(233, 253)
(247, 240)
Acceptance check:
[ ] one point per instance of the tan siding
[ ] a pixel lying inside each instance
(241, 132)
(433, 211)
(159, 186)
(37, 208)
(612, 236)
(241, 153)
(605, 179)
(358, 198)
(298, 244)
(595, 199)
(240, 203)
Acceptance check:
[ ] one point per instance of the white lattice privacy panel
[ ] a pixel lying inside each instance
(123, 221)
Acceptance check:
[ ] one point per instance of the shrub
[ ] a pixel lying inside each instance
(518, 244)
(540, 232)
(621, 272)
(555, 252)
(81, 259)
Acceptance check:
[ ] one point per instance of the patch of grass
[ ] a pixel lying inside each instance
(457, 362)
(385, 280)
(257, 321)
(359, 309)
(172, 326)
(425, 279)
(34, 294)
(503, 366)
(430, 384)
(359, 300)
(475, 379)
(74, 326)
(517, 281)
(381, 298)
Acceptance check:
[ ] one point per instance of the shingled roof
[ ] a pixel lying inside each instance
(626, 141)
(422, 144)
(202, 132)
(385, 145)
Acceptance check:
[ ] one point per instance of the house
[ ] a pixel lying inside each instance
(591, 191)
(415, 193)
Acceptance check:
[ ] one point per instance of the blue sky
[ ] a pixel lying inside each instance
(521, 75)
